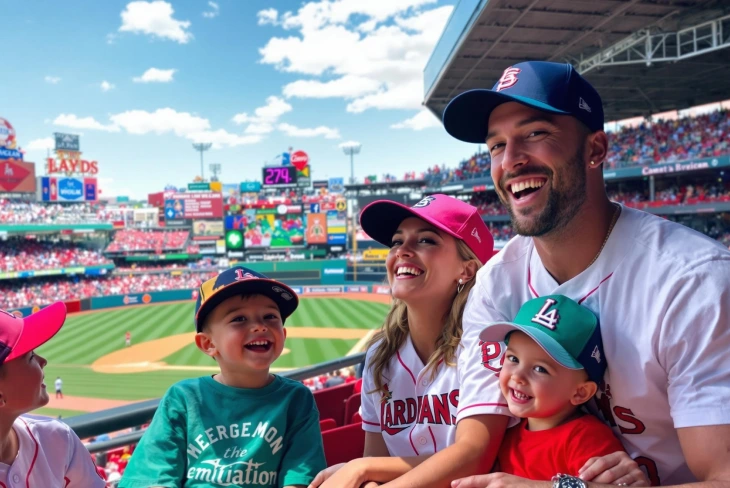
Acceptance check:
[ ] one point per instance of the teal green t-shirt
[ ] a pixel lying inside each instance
(205, 434)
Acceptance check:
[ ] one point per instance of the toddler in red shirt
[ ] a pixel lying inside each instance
(553, 364)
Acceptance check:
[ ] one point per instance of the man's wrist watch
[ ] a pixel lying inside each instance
(567, 481)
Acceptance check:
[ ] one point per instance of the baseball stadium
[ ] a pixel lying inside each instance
(129, 270)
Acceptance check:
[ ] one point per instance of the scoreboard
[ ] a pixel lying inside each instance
(279, 176)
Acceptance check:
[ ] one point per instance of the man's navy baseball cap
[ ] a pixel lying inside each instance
(242, 281)
(551, 87)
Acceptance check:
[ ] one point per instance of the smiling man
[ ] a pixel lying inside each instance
(661, 290)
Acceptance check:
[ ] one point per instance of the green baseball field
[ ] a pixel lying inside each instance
(99, 371)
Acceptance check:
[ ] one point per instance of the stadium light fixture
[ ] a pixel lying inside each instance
(201, 147)
(350, 149)
(215, 168)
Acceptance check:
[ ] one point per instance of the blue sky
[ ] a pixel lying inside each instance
(141, 81)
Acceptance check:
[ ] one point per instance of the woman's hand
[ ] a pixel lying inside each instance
(614, 469)
(324, 475)
(498, 480)
(348, 475)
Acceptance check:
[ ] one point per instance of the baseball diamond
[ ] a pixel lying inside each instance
(99, 371)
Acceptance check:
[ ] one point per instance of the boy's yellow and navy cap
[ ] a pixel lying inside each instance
(567, 331)
(19, 336)
(242, 281)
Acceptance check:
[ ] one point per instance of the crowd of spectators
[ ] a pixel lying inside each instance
(17, 294)
(24, 254)
(667, 141)
(19, 212)
(476, 166)
(488, 203)
(127, 240)
(690, 194)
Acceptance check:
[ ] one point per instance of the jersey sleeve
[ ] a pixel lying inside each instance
(479, 362)
(589, 439)
(304, 456)
(694, 344)
(369, 403)
(81, 471)
(159, 459)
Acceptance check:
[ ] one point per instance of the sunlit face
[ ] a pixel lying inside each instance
(423, 262)
(247, 333)
(21, 383)
(537, 166)
(534, 384)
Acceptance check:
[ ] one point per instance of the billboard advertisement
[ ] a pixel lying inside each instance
(194, 206)
(66, 142)
(231, 194)
(336, 227)
(250, 187)
(17, 176)
(67, 189)
(316, 228)
(211, 229)
(273, 228)
(336, 185)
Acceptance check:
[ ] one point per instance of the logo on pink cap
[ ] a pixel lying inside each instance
(424, 203)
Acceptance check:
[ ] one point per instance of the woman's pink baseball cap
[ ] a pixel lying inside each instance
(19, 336)
(381, 219)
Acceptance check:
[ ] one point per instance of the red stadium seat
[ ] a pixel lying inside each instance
(327, 424)
(331, 402)
(343, 443)
(352, 406)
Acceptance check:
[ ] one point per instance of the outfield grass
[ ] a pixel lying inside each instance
(87, 337)
(55, 412)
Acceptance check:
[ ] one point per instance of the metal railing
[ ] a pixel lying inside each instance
(136, 414)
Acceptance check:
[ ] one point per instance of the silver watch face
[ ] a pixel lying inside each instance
(571, 482)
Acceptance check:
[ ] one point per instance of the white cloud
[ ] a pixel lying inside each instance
(53, 80)
(221, 138)
(264, 118)
(155, 19)
(106, 86)
(155, 75)
(161, 121)
(110, 38)
(75, 122)
(215, 10)
(371, 52)
(109, 188)
(422, 120)
(40, 144)
(268, 16)
(348, 86)
(293, 131)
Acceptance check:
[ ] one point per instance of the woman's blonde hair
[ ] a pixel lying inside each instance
(395, 329)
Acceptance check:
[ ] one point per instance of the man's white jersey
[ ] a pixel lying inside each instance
(662, 294)
(415, 413)
(50, 455)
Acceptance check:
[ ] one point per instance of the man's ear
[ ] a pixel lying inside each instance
(205, 344)
(584, 392)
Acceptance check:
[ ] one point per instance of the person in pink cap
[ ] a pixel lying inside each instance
(35, 451)
(417, 430)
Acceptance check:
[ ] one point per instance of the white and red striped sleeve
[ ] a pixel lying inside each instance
(81, 471)
(369, 402)
(479, 363)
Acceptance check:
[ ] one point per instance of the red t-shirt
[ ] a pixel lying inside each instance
(563, 449)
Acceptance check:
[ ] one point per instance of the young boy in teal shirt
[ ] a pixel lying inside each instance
(243, 426)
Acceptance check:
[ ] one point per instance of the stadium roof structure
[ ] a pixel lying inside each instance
(378, 187)
(643, 56)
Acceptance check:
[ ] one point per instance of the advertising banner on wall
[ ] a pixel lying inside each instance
(194, 206)
(67, 142)
(336, 227)
(279, 227)
(250, 187)
(67, 189)
(231, 194)
(336, 185)
(207, 229)
(17, 176)
(316, 228)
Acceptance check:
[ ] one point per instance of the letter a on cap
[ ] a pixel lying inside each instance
(547, 318)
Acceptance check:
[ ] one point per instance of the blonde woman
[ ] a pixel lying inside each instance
(417, 433)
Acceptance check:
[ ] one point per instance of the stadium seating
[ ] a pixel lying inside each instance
(327, 424)
(147, 240)
(23, 254)
(343, 444)
(19, 212)
(352, 407)
(331, 402)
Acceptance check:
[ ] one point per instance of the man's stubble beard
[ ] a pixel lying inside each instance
(561, 206)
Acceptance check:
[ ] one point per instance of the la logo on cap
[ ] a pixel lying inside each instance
(508, 79)
(546, 317)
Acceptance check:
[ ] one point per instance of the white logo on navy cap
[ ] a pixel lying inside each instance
(508, 79)
(583, 105)
(425, 202)
(277, 289)
(596, 354)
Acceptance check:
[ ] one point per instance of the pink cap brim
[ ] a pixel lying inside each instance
(39, 328)
(381, 219)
